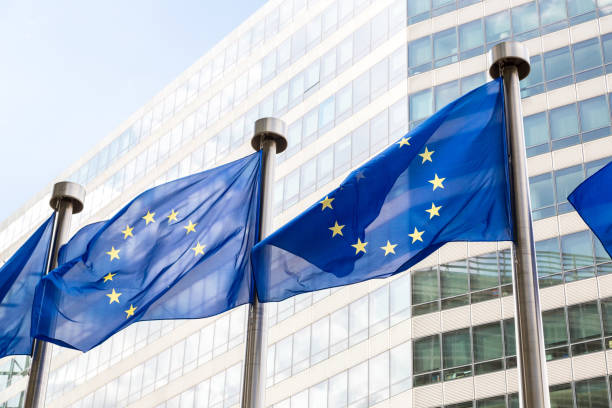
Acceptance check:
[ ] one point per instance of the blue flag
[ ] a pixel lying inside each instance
(18, 279)
(177, 251)
(447, 180)
(593, 201)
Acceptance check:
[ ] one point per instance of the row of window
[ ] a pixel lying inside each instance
(212, 340)
(589, 393)
(340, 330)
(573, 63)
(220, 391)
(568, 331)
(476, 279)
(230, 96)
(424, 9)
(230, 137)
(518, 23)
(363, 385)
(567, 125)
(549, 191)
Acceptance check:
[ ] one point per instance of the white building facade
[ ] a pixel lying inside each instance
(349, 77)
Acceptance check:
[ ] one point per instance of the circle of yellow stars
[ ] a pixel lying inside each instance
(128, 232)
(416, 235)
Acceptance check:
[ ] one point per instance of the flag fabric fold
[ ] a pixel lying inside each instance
(18, 279)
(446, 180)
(592, 199)
(180, 250)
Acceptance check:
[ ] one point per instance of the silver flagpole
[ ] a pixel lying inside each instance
(511, 61)
(67, 199)
(269, 138)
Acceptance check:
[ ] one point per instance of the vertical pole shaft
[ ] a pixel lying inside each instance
(512, 64)
(269, 138)
(67, 199)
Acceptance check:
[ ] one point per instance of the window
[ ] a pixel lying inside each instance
(317, 395)
(380, 78)
(380, 27)
(471, 38)
(497, 27)
(472, 82)
(548, 257)
(298, 44)
(594, 114)
(488, 345)
(536, 134)
(577, 250)
(456, 352)
(399, 299)
(328, 65)
(419, 55)
(446, 93)
(325, 167)
(379, 378)
(379, 131)
(524, 18)
(338, 331)
(345, 54)
(454, 282)
(542, 196)
(358, 385)
(292, 188)
(313, 32)
(445, 47)
(552, 11)
(555, 332)
(361, 91)
(587, 55)
(344, 99)
(426, 354)
(282, 365)
(483, 271)
(326, 114)
(425, 287)
(400, 368)
(358, 321)
(418, 11)
(360, 144)
(308, 178)
(584, 322)
(566, 181)
(301, 350)
(563, 122)
(320, 341)
(558, 66)
(310, 125)
(421, 105)
(592, 393)
(379, 310)
(362, 41)
(311, 76)
(337, 390)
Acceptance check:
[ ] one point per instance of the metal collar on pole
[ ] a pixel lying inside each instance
(67, 199)
(510, 60)
(269, 138)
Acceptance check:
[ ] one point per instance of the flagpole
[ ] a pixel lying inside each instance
(66, 199)
(510, 60)
(269, 138)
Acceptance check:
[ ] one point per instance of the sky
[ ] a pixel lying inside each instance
(72, 71)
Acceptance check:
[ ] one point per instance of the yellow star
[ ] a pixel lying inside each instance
(109, 277)
(336, 229)
(130, 311)
(114, 297)
(389, 249)
(149, 217)
(198, 249)
(404, 142)
(437, 182)
(416, 235)
(426, 155)
(113, 253)
(434, 211)
(359, 246)
(127, 232)
(190, 227)
(172, 216)
(326, 203)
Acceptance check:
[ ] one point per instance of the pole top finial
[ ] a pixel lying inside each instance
(67, 190)
(270, 128)
(509, 53)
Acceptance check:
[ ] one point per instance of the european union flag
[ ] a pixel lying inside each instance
(18, 279)
(177, 251)
(593, 201)
(447, 180)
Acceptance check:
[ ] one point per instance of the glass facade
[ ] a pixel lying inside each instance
(350, 77)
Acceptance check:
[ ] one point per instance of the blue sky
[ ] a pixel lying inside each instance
(72, 71)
